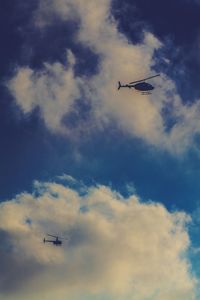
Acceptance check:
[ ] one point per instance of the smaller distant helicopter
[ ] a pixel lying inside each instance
(139, 85)
(56, 242)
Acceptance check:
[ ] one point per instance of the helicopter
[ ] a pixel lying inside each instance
(140, 85)
(56, 242)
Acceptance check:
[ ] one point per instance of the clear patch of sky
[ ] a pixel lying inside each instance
(117, 160)
(14, 17)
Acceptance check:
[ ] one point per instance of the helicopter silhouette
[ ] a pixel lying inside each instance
(56, 242)
(139, 85)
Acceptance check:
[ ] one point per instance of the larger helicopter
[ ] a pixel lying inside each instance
(139, 85)
(56, 242)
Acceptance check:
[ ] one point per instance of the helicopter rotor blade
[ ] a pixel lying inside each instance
(66, 239)
(144, 79)
(57, 237)
(52, 235)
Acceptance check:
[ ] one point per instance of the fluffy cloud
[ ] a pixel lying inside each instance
(53, 90)
(117, 246)
(56, 89)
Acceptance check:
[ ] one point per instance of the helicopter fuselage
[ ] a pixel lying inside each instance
(56, 242)
(143, 86)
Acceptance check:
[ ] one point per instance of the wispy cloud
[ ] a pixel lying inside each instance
(118, 246)
(53, 90)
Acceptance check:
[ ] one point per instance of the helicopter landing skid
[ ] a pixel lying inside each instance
(145, 93)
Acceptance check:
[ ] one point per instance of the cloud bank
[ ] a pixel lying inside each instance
(56, 89)
(118, 247)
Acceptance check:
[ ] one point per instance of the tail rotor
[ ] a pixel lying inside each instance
(119, 85)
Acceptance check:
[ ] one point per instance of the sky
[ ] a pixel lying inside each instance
(116, 172)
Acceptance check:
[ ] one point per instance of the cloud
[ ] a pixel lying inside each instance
(53, 90)
(56, 88)
(117, 246)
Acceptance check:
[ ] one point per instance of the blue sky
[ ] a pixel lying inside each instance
(63, 121)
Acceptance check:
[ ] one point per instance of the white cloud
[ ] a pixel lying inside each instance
(56, 88)
(118, 246)
(53, 90)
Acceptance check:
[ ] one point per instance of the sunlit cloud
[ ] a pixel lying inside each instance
(117, 246)
(53, 90)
